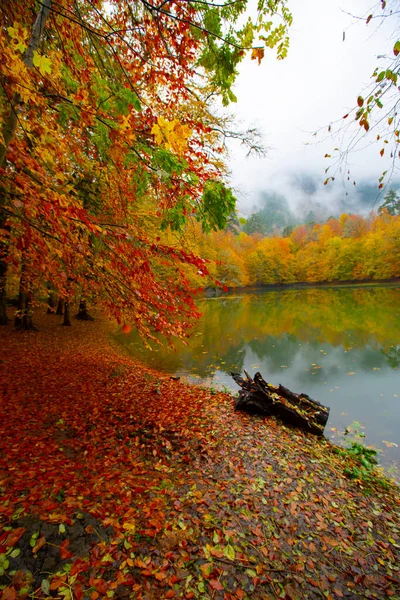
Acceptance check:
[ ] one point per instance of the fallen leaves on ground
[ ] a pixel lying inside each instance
(117, 481)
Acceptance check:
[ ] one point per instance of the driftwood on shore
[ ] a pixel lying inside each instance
(259, 397)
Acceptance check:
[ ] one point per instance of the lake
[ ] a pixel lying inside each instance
(339, 345)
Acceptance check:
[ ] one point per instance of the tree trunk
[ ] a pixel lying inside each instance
(23, 317)
(51, 302)
(10, 123)
(258, 396)
(60, 307)
(67, 317)
(83, 314)
(3, 295)
(8, 131)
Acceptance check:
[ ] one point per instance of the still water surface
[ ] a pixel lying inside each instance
(341, 346)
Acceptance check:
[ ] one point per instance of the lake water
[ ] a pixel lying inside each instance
(340, 346)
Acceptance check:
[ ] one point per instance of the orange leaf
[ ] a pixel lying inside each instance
(14, 536)
(39, 544)
(64, 553)
(170, 594)
(9, 593)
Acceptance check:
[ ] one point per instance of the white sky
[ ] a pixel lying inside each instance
(315, 85)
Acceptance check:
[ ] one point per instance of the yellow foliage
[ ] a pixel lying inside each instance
(18, 35)
(171, 134)
(257, 54)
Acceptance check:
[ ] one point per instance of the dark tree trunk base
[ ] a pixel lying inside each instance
(259, 397)
(51, 304)
(83, 314)
(67, 319)
(23, 319)
(60, 308)
(24, 323)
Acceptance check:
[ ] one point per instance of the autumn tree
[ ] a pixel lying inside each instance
(108, 126)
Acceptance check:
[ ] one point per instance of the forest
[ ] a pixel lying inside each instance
(350, 248)
(116, 480)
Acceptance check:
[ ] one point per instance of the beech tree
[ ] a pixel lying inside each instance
(108, 126)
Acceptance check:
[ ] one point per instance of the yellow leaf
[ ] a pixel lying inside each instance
(18, 36)
(41, 62)
(171, 134)
(129, 526)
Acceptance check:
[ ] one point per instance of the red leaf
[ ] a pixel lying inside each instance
(14, 536)
(215, 584)
(78, 591)
(64, 553)
(126, 328)
(170, 594)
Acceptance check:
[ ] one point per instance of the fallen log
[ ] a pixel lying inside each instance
(259, 397)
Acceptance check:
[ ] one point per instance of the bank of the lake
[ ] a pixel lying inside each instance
(217, 291)
(128, 484)
(339, 345)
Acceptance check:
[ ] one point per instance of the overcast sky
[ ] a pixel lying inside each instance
(315, 85)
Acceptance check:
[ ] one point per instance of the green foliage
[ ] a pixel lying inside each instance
(362, 460)
(391, 203)
(218, 203)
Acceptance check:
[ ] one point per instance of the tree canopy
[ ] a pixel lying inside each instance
(109, 132)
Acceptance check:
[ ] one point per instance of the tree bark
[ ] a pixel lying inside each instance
(3, 295)
(51, 302)
(67, 315)
(8, 131)
(83, 313)
(23, 318)
(259, 397)
(11, 121)
(60, 307)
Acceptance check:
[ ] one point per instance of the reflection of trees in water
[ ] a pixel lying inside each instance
(278, 350)
(281, 327)
(393, 356)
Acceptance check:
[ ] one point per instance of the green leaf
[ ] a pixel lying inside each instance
(229, 552)
(396, 48)
(41, 62)
(45, 585)
(130, 97)
(16, 552)
(218, 203)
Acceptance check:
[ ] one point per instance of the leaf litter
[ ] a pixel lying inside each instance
(117, 481)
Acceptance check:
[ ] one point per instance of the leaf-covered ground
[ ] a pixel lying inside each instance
(119, 482)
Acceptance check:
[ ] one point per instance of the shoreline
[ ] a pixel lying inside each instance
(211, 292)
(188, 498)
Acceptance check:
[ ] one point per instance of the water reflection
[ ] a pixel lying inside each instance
(339, 345)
